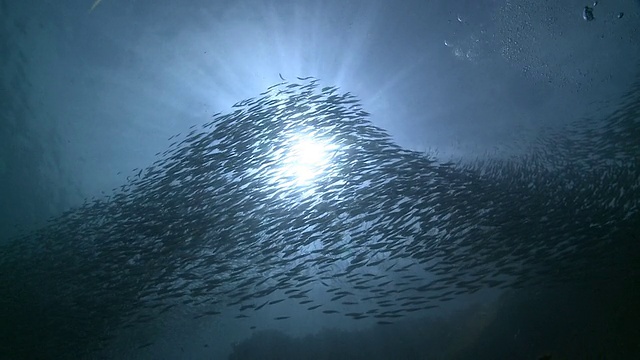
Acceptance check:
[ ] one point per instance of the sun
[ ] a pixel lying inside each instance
(306, 159)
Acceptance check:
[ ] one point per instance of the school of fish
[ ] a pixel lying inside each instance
(220, 223)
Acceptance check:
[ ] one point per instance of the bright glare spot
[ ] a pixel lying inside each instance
(306, 159)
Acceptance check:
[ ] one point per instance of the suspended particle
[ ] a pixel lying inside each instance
(587, 13)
